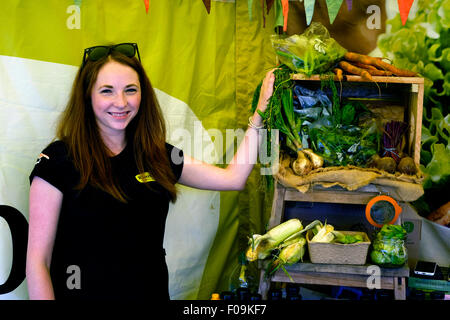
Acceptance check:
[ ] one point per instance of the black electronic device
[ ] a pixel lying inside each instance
(425, 268)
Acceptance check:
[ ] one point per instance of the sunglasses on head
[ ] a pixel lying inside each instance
(99, 52)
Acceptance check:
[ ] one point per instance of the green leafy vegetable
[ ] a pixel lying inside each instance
(337, 137)
(389, 246)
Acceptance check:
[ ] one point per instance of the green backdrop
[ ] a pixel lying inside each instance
(204, 68)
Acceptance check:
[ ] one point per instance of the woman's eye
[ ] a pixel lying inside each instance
(131, 90)
(106, 91)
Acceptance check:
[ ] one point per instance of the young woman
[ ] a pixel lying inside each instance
(100, 193)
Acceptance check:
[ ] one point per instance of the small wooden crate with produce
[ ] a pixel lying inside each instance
(357, 121)
(369, 133)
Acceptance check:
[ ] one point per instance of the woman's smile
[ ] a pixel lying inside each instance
(119, 115)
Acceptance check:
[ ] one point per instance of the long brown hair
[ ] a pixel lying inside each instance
(147, 132)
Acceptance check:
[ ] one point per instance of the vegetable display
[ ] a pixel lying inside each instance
(285, 244)
(318, 130)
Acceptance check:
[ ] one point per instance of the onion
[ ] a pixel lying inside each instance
(317, 161)
(301, 166)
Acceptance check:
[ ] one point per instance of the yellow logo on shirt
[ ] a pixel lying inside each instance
(144, 177)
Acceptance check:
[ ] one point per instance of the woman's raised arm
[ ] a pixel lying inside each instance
(201, 175)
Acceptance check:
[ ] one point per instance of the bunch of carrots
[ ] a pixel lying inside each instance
(366, 67)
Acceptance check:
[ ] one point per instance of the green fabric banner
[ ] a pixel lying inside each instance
(204, 68)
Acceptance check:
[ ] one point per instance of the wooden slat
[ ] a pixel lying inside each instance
(264, 285)
(330, 196)
(277, 213)
(332, 279)
(416, 111)
(346, 269)
(354, 78)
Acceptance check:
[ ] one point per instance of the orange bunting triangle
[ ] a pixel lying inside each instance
(404, 6)
(147, 4)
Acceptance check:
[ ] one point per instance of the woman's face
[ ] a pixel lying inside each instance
(115, 96)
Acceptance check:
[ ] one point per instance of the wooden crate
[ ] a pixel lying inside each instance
(410, 97)
(410, 100)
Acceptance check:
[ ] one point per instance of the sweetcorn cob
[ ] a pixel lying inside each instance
(260, 246)
(288, 255)
(324, 234)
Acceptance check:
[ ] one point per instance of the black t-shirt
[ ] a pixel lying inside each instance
(113, 250)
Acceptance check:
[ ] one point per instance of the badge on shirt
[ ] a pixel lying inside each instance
(144, 177)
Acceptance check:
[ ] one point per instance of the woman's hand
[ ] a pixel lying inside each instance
(266, 90)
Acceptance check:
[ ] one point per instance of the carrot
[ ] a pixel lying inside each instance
(379, 63)
(364, 66)
(372, 69)
(361, 58)
(384, 58)
(339, 73)
(398, 72)
(376, 72)
(355, 70)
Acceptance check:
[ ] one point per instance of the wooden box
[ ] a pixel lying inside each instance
(406, 103)
(337, 253)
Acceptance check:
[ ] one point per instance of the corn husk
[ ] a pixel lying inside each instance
(261, 246)
(288, 255)
(324, 234)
